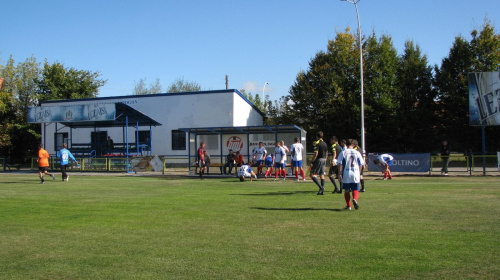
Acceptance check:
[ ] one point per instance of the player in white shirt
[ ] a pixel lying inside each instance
(279, 160)
(259, 154)
(246, 171)
(269, 165)
(287, 151)
(385, 160)
(296, 150)
(351, 164)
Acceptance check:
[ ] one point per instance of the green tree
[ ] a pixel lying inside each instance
(261, 105)
(380, 99)
(416, 105)
(180, 85)
(140, 87)
(481, 54)
(25, 84)
(326, 96)
(18, 139)
(58, 82)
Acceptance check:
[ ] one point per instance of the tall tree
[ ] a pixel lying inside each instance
(481, 54)
(255, 99)
(326, 96)
(58, 82)
(416, 105)
(140, 87)
(380, 79)
(17, 137)
(180, 85)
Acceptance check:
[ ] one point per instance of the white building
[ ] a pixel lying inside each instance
(220, 118)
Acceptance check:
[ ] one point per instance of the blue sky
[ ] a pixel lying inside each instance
(253, 42)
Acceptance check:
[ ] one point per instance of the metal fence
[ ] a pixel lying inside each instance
(458, 164)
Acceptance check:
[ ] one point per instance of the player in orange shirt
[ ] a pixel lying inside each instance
(43, 163)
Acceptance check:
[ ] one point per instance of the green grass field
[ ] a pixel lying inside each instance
(124, 227)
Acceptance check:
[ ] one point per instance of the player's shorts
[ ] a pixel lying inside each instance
(318, 166)
(201, 164)
(260, 162)
(269, 163)
(334, 170)
(296, 163)
(389, 162)
(349, 187)
(279, 165)
(43, 169)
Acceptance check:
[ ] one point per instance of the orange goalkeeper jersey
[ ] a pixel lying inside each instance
(43, 158)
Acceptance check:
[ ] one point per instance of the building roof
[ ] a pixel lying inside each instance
(156, 95)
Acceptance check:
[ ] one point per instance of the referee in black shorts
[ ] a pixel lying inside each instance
(319, 162)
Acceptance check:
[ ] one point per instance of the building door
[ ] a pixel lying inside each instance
(98, 141)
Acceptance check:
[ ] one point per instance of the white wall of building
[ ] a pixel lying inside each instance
(225, 108)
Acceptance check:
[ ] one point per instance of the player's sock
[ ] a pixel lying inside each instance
(297, 175)
(362, 184)
(276, 174)
(355, 195)
(284, 173)
(323, 183)
(303, 173)
(347, 198)
(385, 175)
(333, 181)
(315, 180)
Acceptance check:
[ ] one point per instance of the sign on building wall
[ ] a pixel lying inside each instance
(484, 98)
(404, 163)
(87, 112)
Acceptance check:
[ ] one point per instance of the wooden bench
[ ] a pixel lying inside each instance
(220, 165)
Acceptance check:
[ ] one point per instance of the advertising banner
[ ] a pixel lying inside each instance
(403, 163)
(73, 113)
(484, 98)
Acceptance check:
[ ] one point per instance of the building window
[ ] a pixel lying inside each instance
(60, 138)
(178, 140)
(144, 137)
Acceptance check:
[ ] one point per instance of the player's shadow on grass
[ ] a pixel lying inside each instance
(277, 193)
(294, 209)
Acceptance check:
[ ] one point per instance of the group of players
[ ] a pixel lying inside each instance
(64, 156)
(347, 164)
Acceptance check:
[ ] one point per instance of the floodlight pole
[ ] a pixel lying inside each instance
(263, 92)
(355, 2)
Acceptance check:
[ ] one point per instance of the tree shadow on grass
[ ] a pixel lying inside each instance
(295, 209)
(277, 193)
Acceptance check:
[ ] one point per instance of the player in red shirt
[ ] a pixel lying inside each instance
(201, 159)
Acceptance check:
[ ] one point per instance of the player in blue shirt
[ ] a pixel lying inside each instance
(269, 165)
(64, 155)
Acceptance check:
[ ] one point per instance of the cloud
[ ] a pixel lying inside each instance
(253, 87)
